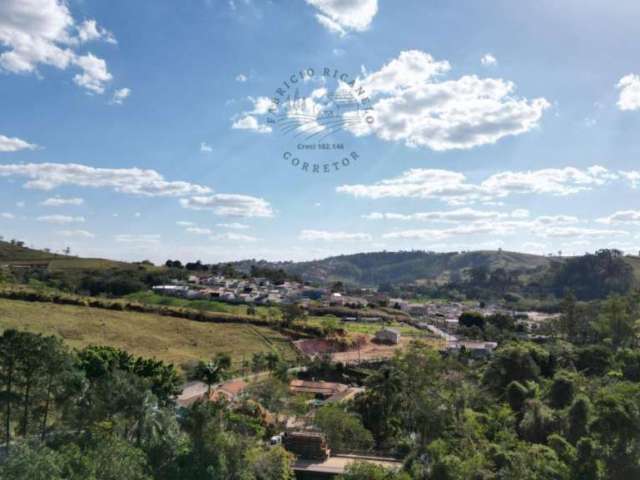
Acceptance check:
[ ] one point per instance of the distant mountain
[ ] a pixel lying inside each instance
(373, 269)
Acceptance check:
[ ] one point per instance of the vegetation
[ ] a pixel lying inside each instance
(101, 414)
(173, 340)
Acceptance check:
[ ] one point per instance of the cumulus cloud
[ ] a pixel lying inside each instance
(455, 189)
(488, 60)
(198, 231)
(233, 226)
(624, 216)
(543, 227)
(76, 233)
(135, 181)
(120, 95)
(325, 236)
(14, 144)
(241, 77)
(61, 202)
(205, 147)
(230, 205)
(249, 122)
(60, 219)
(343, 16)
(629, 87)
(459, 215)
(43, 32)
(7, 216)
(409, 104)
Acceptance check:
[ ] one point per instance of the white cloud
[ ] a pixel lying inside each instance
(488, 60)
(459, 215)
(409, 105)
(541, 226)
(120, 95)
(198, 231)
(342, 16)
(241, 77)
(205, 147)
(141, 239)
(43, 32)
(624, 216)
(325, 236)
(226, 204)
(135, 181)
(633, 177)
(76, 233)
(90, 31)
(21, 204)
(249, 122)
(184, 223)
(60, 219)
(238, 237)
(579, 232)
(233, 226)
(13, 144)
(7, 215)
(629, 87)
(94, 74)
(61, 202)
(455, 189)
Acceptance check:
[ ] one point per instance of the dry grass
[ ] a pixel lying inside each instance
(173, 340)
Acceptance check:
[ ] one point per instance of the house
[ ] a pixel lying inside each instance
(388, 335)
(172, 290)
(320, 390)
(475, 348)
(230, 391)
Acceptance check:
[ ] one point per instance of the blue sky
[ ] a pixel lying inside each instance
(140, 130)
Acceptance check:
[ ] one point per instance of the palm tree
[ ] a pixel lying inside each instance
(212, 372)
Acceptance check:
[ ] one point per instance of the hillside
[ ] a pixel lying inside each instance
(175, 340)
(372, 269)
(18, 255)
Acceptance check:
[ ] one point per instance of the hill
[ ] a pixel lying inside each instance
(174, 340)
(373, 269)
(17, 255)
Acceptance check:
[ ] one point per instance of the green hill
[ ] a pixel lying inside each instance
(372, 269)
(18, 255)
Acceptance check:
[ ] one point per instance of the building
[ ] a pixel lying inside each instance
(475, 348)
(320, 390)
(388, 335)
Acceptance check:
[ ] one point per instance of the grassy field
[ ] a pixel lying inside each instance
(175, 340)
(205, 305)
(367, 328)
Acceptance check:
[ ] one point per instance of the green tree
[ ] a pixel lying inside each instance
(344, 430)
(32, 463)
(213, 371)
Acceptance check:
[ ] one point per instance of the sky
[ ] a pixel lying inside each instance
(299, 129)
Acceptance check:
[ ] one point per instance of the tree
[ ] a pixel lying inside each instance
(213, 371)
(616, 322)
(579, 418)
(344, 430)
(290, 313)
(271, 464)
(32, 463)
(471, 319)
(561, 391)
